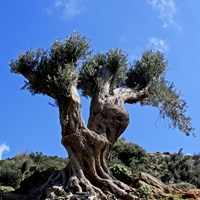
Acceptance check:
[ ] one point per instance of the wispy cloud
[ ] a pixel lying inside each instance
(65, 9)
(158, 44)
(3, 147)
(123, 39)
(167, 11)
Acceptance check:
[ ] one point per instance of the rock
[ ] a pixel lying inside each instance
(152, 181)
(156, 187)
(162, 191)
(54, 191)
(192, 194)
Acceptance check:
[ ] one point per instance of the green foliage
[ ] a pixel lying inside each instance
(54, 68)
(6, 189)
(91, 76)
(151, 68)
(13, 171)
(184, 186)
(62, 193)
(117, 169)
(169, 168)
(117, 62)
(11, 174)
(74, 48)
(176, 168)
(43, 162)
(130, 155)
(182, 167)
(145, 191)
(164, 96)
(177, 197)
(149, 73)
(126, 158)
(54, 71)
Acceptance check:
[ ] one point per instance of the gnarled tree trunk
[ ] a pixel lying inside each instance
(104, 78)
(89, 146)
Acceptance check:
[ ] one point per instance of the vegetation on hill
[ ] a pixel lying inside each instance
(125, 157)
(14, 170)
(169, 168)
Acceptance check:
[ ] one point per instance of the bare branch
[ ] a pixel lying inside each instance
(129, 95)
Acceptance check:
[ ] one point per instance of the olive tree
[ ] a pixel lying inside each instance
(110, 82)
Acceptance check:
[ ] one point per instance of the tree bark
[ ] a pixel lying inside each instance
(87, 169)
(89, 147)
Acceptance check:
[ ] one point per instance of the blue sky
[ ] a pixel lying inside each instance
(29, 124)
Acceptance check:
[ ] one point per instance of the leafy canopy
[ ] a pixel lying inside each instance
(149, 73)
(54, 71)
(91, 76)
(54, 68)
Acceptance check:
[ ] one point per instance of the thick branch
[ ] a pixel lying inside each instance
(69, 106)
(105, 80)
(129, 95)
(70, 113)
(108, 115)
(34, 80)
(28, 73)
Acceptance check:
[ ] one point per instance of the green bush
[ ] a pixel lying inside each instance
(128, 154)
(183, 186)
(169, 168)
(10, 174)
(13, 171)
(117, 169)
(145, 191)
(6, 189)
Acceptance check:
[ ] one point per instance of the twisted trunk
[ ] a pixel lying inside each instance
(89, 147)
(87, 169)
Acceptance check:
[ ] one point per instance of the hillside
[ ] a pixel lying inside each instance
(158, 175)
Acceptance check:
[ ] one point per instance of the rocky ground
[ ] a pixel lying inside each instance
(147, 187)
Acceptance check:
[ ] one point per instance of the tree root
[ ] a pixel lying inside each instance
(87, 171)
(56, 186)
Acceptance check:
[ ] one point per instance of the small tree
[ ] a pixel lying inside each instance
(110, 83)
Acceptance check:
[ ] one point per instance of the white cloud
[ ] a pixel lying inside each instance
(65, 9)
(158, 44)
(3, 147)
(58, 3)
(167, 10)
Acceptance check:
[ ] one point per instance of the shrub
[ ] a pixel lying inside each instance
(145, 191)
(118, 169)
(129, 154)
(6, 189)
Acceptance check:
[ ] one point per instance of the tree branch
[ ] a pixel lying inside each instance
(70, 113)
(69, 106)
(27, 73)
(105, 79)
(36, 81)
(129, 95)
